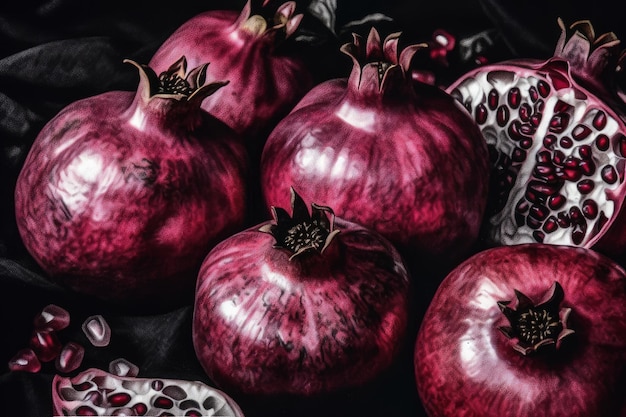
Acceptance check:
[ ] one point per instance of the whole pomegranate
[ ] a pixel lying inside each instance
(266, 80)
(123, 193)
(395, 155)
(526, 330)
(308, 304)
(557, 140)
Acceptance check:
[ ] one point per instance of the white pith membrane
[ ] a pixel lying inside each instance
(527, 216)
(95, 392)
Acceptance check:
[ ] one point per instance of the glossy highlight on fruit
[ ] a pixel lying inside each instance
(395, 155)
(122, 194)
(556, 133)
(303, 305)
(526, 330)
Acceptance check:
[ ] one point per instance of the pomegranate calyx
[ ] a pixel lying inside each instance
(536, 327)
(283, 21)
(302, 232)
(177, 83)
(376, 63)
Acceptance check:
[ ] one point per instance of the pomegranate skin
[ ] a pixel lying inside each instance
(397, 157)
(556, 131)
(122, 194)
(243, 47)
(465, 366)
(267, 325)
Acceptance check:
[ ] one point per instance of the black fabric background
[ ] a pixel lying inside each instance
(57, 51)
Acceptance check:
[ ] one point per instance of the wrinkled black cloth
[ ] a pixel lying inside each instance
(57, 51)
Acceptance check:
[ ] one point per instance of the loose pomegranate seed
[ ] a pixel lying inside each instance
(550, 225)
(590, 209)
(122, 367)
(119, 399)
(543, 88)
(97, 330)
(608, 174)
(481, 114)
(514, 97)
(25, 360)
(585, 186)
(602, 142)
(52, 317)
(566, 142)
(492, 99)
(45, 344)
(581, 132)
(502, 115)
(70, 358)
(599, 120)
(556, 201)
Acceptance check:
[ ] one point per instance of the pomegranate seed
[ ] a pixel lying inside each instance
(492, 99)
(602, 142)
(538, 212)
(535, 119)
(481, 114)
(585, 151)
(524, 112)
(122, 367)
(550, 225)
(562, 107)
(608, 174)
(157, 385)
(193, 413)
(514, 97)
(543, 88)
(539, 105)
(124, 411)
(599, 120)
(539, 236)
(95, 397)
(576, 215)
(590, 209)
(571, 162)
(622, 145)
(25, 360)
(544, 171)
(556, 201)
(563, 219)
(45, 344)
(585, 186)
(119, 399)
(549, 140)
(559, 122)
(70, 358)
(526, 143)
(569, 173)
(97, 330)
(518, 155)
(140, 409)
(52, 317)
(543, 156)
(520, 219)
(533, 223)
(175, 392)
(83, 386)
(527, 129)
(588, 167)
(502, 116)
(84, 410)
(522, 206)
(163, 402)
(533, 93)
(514, 130)
(581, 132)
(558, 158)
(566, 142)
(542, 187)
(577, 236)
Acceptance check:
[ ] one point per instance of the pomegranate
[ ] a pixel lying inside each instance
(395, 155)
(245, 48)
(307, 304)
(526, 330)
(123, 193)
(557, 139)
(97, 393)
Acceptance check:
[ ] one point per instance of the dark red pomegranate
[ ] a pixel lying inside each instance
(266, 81)
(97, 393)
(123, 194)
(307, 304)
(526, 330)
(557, 139)
(397, 156)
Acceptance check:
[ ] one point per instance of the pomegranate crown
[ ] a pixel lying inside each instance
(176, 83)
(302, 232)
(586, 52)
(379, 57)
(284, 20)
